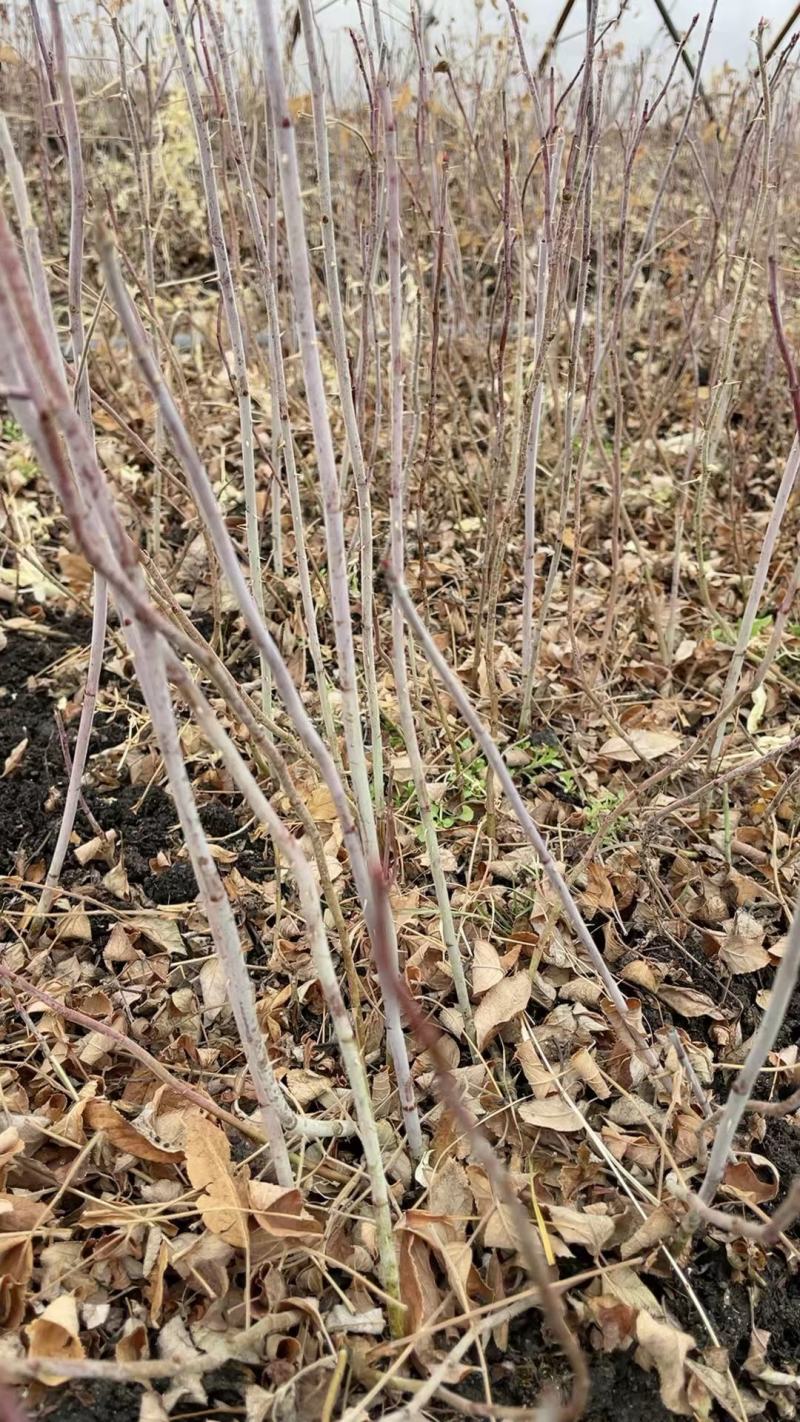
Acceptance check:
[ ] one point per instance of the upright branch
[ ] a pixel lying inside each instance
(352, 1056)
(316, 396)
(397, 514)
(780, 997)
(52, 424)
(211, 514)
(285, 443)
(788, 970)
(77, 181)
(233, 320)
(346, 395)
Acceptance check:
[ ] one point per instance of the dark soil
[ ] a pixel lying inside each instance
(176, 885)
(105, 1401)
(97, 1401)
(152, 828)
(620, 1391)
(26, 711)
(725, 1300)
(778, 1311)
(781, 1145)
(623, 1392)
(771, 1301)
(790, 1030)
(144, 817)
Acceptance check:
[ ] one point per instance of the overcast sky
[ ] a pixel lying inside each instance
(641, 26)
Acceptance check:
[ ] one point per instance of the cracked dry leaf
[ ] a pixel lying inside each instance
(158, 929)
(501, 1004)
(743, 1180)
(320, 805)
(538, 1076)
(175, 1343)
(599, 891)
(615, 1320)
(74, 926)
(500, 1230)
(589, 1072)
(627, 1286)
(705, 1383)
(444, 1236)
(450, 1194)
(419, 1290)
(660, 1224)
(214, 988)
(208, 1165)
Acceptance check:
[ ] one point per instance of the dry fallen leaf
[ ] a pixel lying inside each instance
(658, 1225)
(666, 1347)
(585, 1065)
(688, 1002)
(158, 929)
(419, 1290)
(487, 970)
(14, 760)
(74, 925)
(740, 947)
(281, 1212)
(102, 1116)
(649, 744)
(599, 891)
(214, 988)
(553, 1114)
(745, 1182)
(55, 1334)
(175, 1343)
(208, 1165)
(592, 1231)
(501, 1004)
(320, 805)
(538, 1076)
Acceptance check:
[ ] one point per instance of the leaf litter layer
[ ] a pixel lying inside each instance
(562, 372)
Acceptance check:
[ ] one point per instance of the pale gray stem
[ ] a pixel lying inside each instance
(397, 525)
(289, 848)
(211, 514)
(780, 997)
(345, 387)
(81, 747)
(316, 397)
(47, 415)
(266, 272)
(83, 404)
(223, 265)
(531, 458)
(787, 484)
